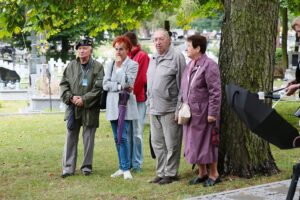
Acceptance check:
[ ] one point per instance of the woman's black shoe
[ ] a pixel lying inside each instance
(211, 182)
(198, 180)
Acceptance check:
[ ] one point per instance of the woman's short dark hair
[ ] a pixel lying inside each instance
(198, 41)
(132, 37)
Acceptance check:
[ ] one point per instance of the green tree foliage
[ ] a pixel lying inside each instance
(187, 13)
(209, 7)
(292, 5)
(51, 17)
(191, 11)
(208, 23)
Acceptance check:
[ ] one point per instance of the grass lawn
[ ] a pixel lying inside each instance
(12, 106)
(31, 147)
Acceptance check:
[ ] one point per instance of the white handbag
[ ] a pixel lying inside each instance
(184, 114)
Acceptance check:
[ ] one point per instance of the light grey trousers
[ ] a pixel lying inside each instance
(166, 139)
(70, 149)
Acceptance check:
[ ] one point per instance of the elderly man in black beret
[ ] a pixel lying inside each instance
(81, 88)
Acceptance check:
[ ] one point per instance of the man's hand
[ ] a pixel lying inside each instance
(211, 119)
(73, 99)
(78, 101)
(176, 117)
(291, 83)
(292, 89)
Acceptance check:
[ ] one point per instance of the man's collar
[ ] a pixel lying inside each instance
(168, 54)
(78, 60)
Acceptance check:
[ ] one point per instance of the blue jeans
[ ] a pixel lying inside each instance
(122, 148)
(135, 137)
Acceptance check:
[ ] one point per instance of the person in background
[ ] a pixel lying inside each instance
(201, 90)
(294, 85)
(135, 134)
(120, 75)
(81, 88)
(163, 82)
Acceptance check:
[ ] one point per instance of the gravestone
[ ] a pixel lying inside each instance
(294, 58)
(51, 64)
(289, 74)
(59, 65)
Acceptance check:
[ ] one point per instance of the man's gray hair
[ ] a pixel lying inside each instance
(296, 22)
(166, 33)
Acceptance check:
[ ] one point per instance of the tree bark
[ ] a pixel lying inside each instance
(247, 58)
(284, 21)
(65, 49)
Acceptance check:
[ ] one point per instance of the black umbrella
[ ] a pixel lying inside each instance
(71, 118)
(151, 147)
(261, 119)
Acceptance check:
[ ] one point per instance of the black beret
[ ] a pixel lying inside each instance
(84, 42)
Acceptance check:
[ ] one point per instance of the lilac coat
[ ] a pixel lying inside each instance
(204, 99)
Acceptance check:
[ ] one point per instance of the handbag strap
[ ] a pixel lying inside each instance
(112, 68)
(191, 81)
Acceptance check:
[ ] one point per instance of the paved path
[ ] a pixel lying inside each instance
(270, 191)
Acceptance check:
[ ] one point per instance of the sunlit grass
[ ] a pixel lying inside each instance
(12, 106)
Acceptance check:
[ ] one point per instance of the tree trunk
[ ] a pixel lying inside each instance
(65, 49)
(247, 57)
(284, 22)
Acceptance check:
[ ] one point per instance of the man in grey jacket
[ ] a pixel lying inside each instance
(163, 81)
(81, 88)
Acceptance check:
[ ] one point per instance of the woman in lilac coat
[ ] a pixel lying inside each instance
(201, 89)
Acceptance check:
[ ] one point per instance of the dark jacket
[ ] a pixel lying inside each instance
(71, 85)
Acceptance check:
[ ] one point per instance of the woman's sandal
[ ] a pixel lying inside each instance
(210, 182)
(198, 180)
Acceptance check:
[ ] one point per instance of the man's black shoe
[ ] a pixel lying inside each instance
(157, 179)
(86, 173)
(65, 175)
(168, 180)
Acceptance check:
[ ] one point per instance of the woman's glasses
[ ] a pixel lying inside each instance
(119, 49)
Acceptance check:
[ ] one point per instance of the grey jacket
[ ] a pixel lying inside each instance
(163, 82)
(125, 77)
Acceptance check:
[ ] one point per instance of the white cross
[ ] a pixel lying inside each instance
(59, 65)
(51, 64)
